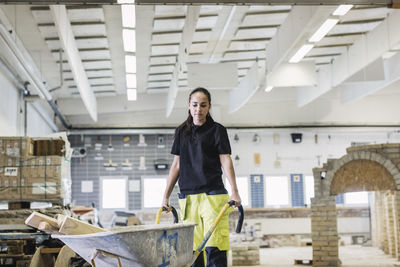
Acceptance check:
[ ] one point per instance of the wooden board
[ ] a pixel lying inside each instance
(64, 256)
(72, 226)
(42, 260)
(50, 250)
(46, 227)
(36, 218)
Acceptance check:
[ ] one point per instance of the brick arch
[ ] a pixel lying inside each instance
(370, 168)
(391, 174)
(361, 175)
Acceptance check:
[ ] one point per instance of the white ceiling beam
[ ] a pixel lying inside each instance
(364, 52)
(351, 92)
(189, 28)
(229, 19)
(239, 96)
(367, 49)
(67, 39)
(301, 74)
(290, 34)
(144, 29)
(294, 32)
(307, 94)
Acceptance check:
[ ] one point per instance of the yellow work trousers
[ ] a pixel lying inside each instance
(203, 209)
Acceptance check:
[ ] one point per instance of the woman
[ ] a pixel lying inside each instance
(201, 147)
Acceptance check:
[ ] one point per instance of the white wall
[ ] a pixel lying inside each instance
(11, 120)
(36, 125)
(9, 110)
(299, 157)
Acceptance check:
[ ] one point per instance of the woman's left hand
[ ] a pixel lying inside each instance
(235, 197)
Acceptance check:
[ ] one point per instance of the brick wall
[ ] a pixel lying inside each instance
(363, 168)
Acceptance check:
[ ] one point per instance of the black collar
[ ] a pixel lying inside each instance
(209, 122)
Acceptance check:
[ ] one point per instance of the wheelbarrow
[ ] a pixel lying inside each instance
(141, 245)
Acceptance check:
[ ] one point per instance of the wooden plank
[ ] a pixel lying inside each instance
(60, 219)
(42, 260)
(36, 218)
(64, 256)
(72, 226)
(46, 227)
(50, 250)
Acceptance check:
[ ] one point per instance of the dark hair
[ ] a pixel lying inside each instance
(187, 124)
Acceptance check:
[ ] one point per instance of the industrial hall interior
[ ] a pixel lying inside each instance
(199, 133)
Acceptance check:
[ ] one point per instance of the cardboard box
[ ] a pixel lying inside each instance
(49, 147)
(39, 188)
(10, 161)
(16, 146)
(53, 166)
(38, 178)
(40, 167)
(10, 189)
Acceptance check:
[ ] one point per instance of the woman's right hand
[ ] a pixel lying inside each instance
(166, 205)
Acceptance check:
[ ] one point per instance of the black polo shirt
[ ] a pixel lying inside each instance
(200, 167)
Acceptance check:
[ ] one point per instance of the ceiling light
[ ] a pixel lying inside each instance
(323, 30)
(129, 38)
(125, 1)
(268, 88)
(301, 53)
(128, 16)
(130, 64)
(342, 10)
(130, 80)
(132, 94)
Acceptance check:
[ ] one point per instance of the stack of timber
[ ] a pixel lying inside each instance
(65, 225)
(17, 251)
(62, 225)
(18, 241)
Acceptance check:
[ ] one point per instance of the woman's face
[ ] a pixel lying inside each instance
(199, 107)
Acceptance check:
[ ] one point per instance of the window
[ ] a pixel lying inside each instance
(356, 198)
(114, 192)
(277, 191)
(243, 186)
(153, 191)
(309, 184)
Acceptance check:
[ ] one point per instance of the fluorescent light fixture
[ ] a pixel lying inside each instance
(132, 94)
(268, 88)
(129, 39)
(126, 1)
(342, 10)
(130, 64)
(323, 30)
(130, 80)
(301, 53)
(128, 16)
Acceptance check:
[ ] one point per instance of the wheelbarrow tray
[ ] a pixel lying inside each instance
(143, 245)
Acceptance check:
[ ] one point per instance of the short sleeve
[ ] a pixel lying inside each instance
(223, 145)
(175, 150)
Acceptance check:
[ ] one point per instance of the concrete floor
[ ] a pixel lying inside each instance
(351, 256)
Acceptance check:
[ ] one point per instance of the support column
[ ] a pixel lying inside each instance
(397, 221)
(324, 232)
(380, 221)
(389, 223)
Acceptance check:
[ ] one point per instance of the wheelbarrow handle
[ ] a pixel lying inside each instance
(165, 209)
(241, 216)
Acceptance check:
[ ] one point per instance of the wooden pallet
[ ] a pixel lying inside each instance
(26, 204)
(17, 247)
(303, 262)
